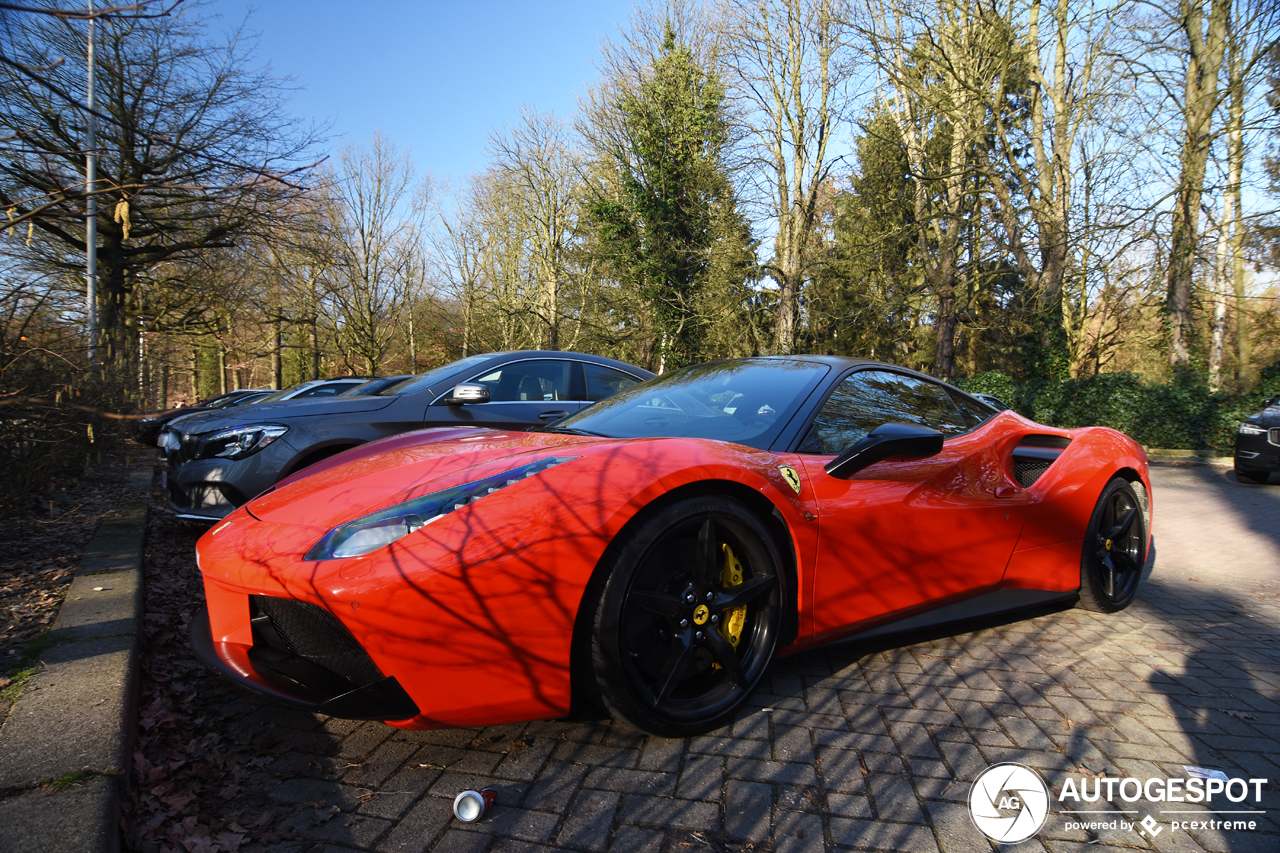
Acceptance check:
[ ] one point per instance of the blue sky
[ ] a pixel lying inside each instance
(435, 77)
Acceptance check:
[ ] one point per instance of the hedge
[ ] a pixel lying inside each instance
(1180, 414)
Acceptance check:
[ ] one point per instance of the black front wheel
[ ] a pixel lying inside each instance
(1115, 550)
(689, 617)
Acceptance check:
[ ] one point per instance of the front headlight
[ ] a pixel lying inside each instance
(238, 442)
(1251, 429)
(373, 531)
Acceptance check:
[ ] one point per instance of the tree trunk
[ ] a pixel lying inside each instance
(1204, 61)
(413, 346)
(1235, 169)
(222, 367)
(195, 374)
(944, 287)
(277, 354)
(789, 284)
(315, 346)
(1220, 291)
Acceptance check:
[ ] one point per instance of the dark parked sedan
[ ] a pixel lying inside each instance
(1258, 444)
(147, 429)
(218, 461)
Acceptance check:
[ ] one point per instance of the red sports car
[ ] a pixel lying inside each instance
(653, 553)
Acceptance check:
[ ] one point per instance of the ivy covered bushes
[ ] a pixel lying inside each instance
(1181, 414)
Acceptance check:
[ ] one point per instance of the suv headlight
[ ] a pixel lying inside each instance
(238, 442)
(1252, 429)
(371, 532)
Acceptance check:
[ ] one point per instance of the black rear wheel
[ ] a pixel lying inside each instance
(1115, 550)
(689, 617)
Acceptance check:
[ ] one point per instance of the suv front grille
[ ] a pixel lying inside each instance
(1273, 436)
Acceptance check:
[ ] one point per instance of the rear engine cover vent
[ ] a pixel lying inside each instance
(1033, 456)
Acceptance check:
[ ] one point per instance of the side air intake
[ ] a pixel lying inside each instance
(1033, 456)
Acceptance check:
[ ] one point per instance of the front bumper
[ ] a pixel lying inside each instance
(276, 666)
(1257, 452)
(210, 489)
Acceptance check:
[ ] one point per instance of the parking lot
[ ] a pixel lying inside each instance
(865, 747)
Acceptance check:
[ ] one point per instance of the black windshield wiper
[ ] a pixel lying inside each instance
(565, 431)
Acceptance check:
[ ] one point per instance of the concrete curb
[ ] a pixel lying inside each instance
(1187, 457)
(74, 723)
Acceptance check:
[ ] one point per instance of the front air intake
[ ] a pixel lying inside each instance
(308, 645)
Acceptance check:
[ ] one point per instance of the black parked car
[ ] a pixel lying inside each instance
(218, 461)
(146, 430)
(1258, 444)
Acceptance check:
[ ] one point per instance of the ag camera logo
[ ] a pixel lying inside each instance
(1009, 802)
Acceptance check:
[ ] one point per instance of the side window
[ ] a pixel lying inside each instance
(859, 404)
(605, 381)
(973, 411)
(929, 404)
(528, 381)
(869, 398)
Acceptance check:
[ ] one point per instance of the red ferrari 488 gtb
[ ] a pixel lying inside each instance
(654, 552)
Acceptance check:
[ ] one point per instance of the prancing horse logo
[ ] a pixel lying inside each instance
(793, 479)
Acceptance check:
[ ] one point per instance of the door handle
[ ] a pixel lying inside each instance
(553, 416)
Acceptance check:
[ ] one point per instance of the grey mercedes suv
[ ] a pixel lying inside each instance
(220, 460)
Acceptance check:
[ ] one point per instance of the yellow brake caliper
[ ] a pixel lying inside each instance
(735, 619)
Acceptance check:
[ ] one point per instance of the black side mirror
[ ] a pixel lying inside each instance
(467, 393)
(908, 441)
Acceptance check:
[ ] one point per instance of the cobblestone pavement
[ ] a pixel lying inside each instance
(865, 747)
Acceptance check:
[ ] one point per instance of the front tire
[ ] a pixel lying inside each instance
(689, 617)
(1115, 550)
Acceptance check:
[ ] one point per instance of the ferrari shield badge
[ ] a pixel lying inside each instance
(793, 479)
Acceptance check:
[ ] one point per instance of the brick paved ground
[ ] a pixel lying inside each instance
(859, 747)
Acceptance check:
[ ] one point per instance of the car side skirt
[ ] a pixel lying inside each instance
(987, 604)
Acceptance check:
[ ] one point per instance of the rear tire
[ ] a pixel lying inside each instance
(689, 617)
(1115, 550)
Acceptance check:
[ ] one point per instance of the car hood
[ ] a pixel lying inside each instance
(282, 411)
(384, 473)
(1268, 417)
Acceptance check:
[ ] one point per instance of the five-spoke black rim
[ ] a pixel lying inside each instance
(1118, 546)
(674, 645)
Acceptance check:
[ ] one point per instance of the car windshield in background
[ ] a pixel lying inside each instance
(373, 386)
(431, 377)
(276, 396)
(747, 402)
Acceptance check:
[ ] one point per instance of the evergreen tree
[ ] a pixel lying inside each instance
(670, 226)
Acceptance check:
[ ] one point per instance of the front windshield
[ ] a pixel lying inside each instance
(747, 402)
(280, 395)
(431, 377)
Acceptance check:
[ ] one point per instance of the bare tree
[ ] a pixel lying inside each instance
(1252, 33)
(939, 61)
(1203, 42)
(539, 172)
(190, 142)
(373, 225)
(787, 71)
(458, 250)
